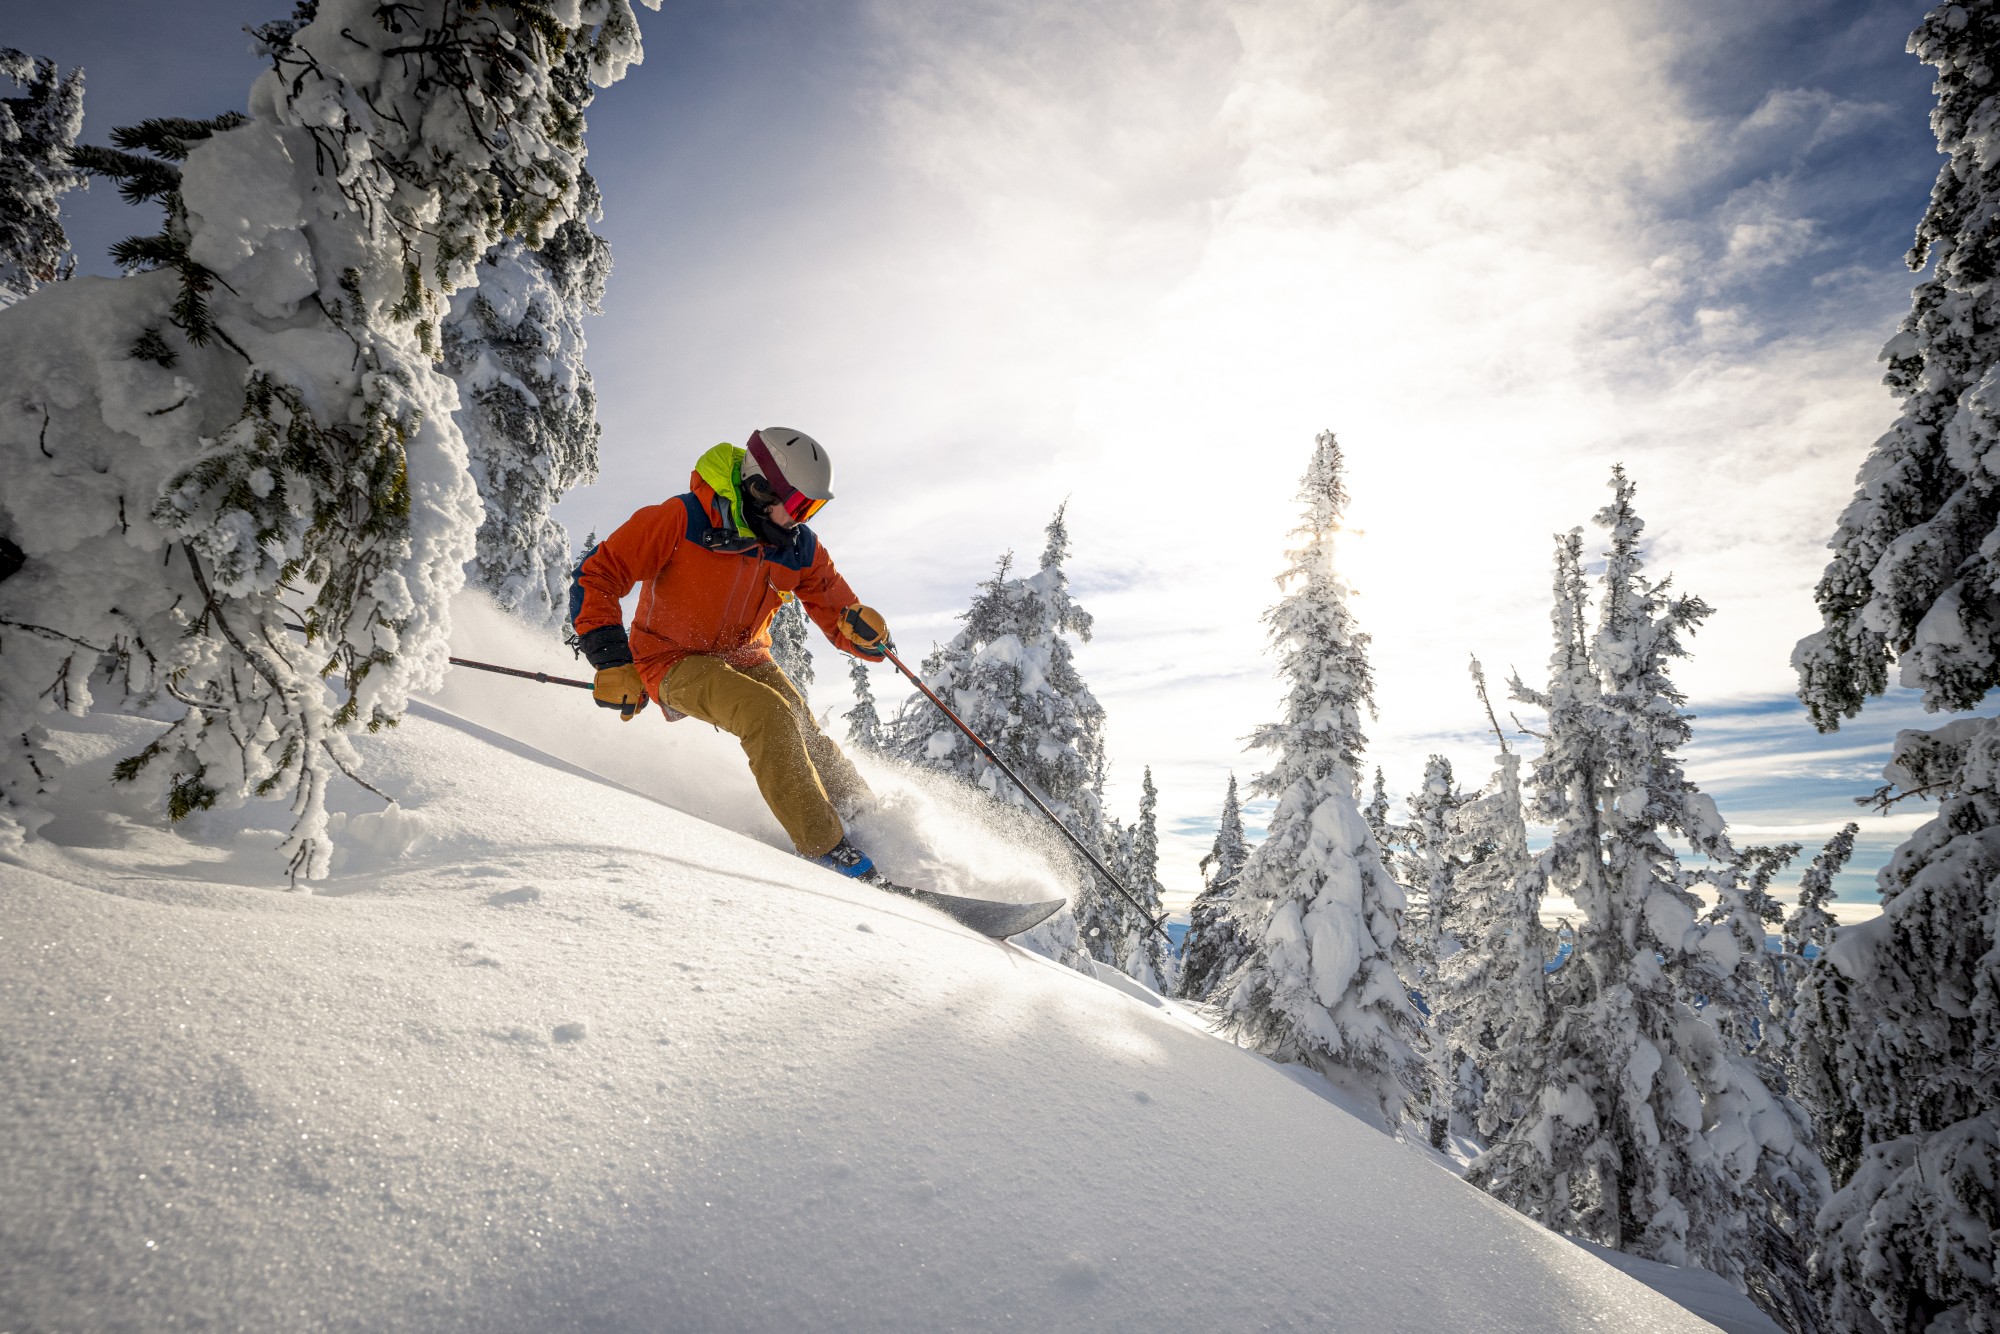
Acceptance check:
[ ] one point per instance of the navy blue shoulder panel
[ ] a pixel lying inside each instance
(799, 555)
(698, 524)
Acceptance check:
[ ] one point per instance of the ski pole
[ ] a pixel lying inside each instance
(542, 677)
(889, 652)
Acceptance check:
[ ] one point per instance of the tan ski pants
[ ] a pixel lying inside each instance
(798, 768)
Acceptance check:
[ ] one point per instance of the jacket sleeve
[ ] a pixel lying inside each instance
(638, 550)
(825, 595)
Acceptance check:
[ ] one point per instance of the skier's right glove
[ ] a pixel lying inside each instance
(620, 688)
(866, 630)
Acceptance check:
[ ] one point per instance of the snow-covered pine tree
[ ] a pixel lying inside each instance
(1104, 919)
(864, 724)
(1319, 986)
(1907, 1017)
(1898, 1026)
(1142, 954)
(1396, 842)
(1376, 812)
(1810, 1075)
(1752, 1011)
(37, 131)
(1650, 1132)
(788, 644)
(514, 346)
(1011, 675)
(1431, 867)
(1489, 992)
(252, 432)
(1913, 576)
(1810, 926)
(1492, 990)
(1212, 949)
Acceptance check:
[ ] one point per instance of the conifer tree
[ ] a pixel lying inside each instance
(37, 131)
(1432, 867)
(1376, 812)
(1142, 953)
(1913, 573)
(278, 446)
(1746, 1009)
(788, 644)
(1650, 1132)
(1898, 1024)
(1810, 1075)
(1319, 986)
(1011, 675)
(1810, 926)
(1905, 1016)
(864, 725)
(1212, 948)
(1103, 919)
(1490, 991)
(514, 345)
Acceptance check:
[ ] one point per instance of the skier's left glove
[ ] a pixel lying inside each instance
(866, 630)
(620, 688)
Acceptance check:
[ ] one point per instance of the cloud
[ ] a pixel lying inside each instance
(1136, 253)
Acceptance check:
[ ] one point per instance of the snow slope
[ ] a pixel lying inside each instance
(545, 1054)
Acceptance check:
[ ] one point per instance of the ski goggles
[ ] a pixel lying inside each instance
(796, 502)
(802, 506)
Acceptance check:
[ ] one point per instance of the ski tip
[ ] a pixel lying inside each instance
(988, 918)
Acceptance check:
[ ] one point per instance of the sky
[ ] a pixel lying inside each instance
(1132, 256)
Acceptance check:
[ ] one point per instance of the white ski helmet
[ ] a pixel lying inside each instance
(794, 465)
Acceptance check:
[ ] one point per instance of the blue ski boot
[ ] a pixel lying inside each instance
(848, 860)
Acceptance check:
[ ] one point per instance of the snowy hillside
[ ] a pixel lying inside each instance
(546, 1054)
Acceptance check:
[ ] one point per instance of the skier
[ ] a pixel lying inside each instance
(717, 563)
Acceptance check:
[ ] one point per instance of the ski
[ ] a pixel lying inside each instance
(986, 916)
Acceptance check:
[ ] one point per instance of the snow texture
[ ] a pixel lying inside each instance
(543, 1053)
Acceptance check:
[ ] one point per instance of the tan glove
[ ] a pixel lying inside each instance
(620, 688)
(866, 630)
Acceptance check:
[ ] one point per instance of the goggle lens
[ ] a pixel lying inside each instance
(802, 506)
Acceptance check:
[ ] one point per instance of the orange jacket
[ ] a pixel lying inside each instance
(696, 600)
